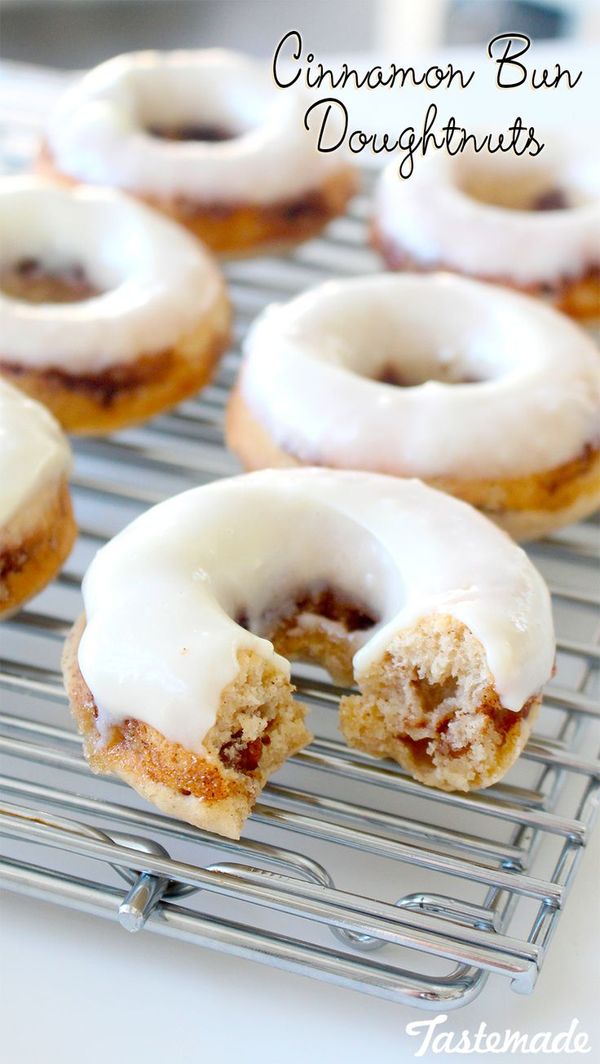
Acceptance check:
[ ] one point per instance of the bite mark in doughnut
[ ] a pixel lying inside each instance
(431, 707)
(108, 313)
(259, 725)
(30, 282)
(436, 616)
(482, 393)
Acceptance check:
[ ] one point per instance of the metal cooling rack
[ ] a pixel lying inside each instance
(349, 871)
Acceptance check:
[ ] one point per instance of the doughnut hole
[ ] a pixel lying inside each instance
(392, 374)
(30, 281)
(205, 133)
(59, 248)
(202, 104)
(431, 705)
(406, 342)
(325, 627)
(536, 184)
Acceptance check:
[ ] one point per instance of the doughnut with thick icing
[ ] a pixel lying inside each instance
(109, 313)
(482, 392)
(37, 528)
(178, 674)
(208, 138)
(529, 223)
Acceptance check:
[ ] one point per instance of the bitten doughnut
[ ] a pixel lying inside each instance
(37, 528)
(205, 136)
(109, 313)
(529, 223)
(482, 392)
(178, 673)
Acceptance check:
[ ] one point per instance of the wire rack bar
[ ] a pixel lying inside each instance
(238, 940)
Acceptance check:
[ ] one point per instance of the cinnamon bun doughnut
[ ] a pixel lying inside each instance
(178, 673)
(484, 393)
(206, 137)
(532, 224)
(109, 313)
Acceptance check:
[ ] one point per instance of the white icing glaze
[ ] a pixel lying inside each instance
(161, 641)
(34, 453)
(308, 363)
(431, 218)
(156, 281)
(98, 131)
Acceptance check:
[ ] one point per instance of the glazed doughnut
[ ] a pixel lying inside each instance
(529, 223)
(109, 313)
(37, 528)
(180, 681)
(206, 137)
(482, 392)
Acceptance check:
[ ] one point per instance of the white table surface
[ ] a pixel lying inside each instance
(79, 990)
